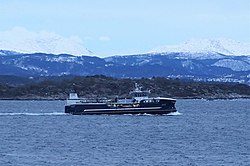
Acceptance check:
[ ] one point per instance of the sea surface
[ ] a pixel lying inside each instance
(34, 133)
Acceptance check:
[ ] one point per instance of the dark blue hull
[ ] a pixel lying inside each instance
(95, 110)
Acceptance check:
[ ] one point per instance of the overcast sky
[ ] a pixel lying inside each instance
(129, 26)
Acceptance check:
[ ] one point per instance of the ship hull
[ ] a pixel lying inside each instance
(81, 110)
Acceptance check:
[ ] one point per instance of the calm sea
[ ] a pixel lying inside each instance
(202, 133)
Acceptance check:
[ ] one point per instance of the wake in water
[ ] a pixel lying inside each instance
(145, 114)
(174, 113)
(31, 114)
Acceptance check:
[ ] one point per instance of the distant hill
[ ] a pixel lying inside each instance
(207, 66)
(102, 86)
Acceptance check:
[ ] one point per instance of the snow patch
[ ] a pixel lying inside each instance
(235, 65)
(61, 59)
(188, 64)
(107, 65)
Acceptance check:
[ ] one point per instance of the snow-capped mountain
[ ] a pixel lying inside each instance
(201, 47)
(207, 60)
(21, 40)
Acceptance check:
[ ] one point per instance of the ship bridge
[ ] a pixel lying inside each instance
(138, 94)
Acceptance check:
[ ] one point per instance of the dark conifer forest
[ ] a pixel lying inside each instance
(100, 86)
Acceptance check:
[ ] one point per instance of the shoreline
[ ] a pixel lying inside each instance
(209, 98)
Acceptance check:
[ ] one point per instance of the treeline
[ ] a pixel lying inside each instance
(102, 86)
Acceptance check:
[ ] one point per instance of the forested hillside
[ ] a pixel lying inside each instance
(102, 86)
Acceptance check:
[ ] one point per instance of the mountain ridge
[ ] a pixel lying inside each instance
(207, 46)
(171, 65)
